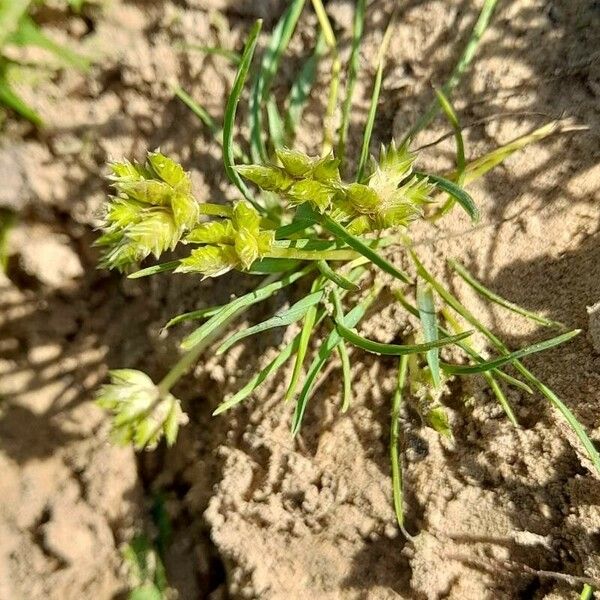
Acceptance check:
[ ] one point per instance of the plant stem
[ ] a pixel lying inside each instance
(366, 143)
(394, 441)
(336, 68)
(296, 254)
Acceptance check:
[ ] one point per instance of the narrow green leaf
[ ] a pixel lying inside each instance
(395, 349)
(353, 66)
(260, 377)
(276, 126)
(346, 375)
(10, 99)
(460, 151)
(458, 193)
(344, 358)
(426, 306)
(459, 69)
(460, 144)
(480, 166)
(327, 347)
(154, 269)
(366, 142)
(397, 492)
(29, 34)
(300, 90)
(502, 360)
(465, 346)
(281, 319)
(381, 55)
(342, 234)
(273, 265)
(336, 278)
(193, 315)
(493, 297)
(200, 112)
(500, 396)
(279, 41)
(230, 110)
(270, 287)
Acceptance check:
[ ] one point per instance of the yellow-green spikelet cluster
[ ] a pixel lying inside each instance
(151, 210)
(227, 243)
(393, 196)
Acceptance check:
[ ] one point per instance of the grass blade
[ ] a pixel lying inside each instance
(395, 349)
(496, 299)
(344, 358)
(200, 112)
(464, 345)
(488, 375)
(273, 265)
(279, 41)
(259, 378)
(29, 34)
(480, 166)
(458, 193)
(336, 67)
(10, 99)
(230, 110)
(327, 347)
(587, 593)
(366, 142)
(336, 278)
(281, 319)
(353, 66)
(308, 325)
(397, 491)
(460, 151)
(565, 412)
(342, 234)
(154, 269)
(501, 397)
(459, 69)
(276, 126)
(300, 91)
(498, 362)
(270, 286)
(193, 315)
(346, 375)
(426, 306)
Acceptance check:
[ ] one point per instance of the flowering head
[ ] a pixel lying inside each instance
(152, 208)
(142, 413)
(228, 243)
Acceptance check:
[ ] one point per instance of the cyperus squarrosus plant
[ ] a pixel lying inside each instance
(308, 221)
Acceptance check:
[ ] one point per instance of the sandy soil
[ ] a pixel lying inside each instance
(256, 514)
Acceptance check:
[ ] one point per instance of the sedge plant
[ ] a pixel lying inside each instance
(300, 217)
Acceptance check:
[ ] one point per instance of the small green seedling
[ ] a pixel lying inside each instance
(17, 28)
(301, 217)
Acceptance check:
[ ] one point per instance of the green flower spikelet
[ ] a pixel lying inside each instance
(142, 413)
(152, 209)
(227, 244)
(392, 197)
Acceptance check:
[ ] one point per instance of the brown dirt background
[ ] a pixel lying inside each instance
(255, 513)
